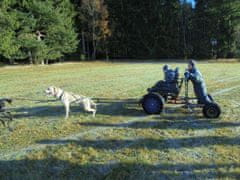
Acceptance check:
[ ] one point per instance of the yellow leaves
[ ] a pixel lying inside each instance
(96, 15)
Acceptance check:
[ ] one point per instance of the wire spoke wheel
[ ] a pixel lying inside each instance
(153, 103)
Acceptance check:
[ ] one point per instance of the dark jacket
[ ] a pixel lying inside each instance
(199, 85)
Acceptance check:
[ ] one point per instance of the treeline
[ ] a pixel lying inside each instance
(49, 30)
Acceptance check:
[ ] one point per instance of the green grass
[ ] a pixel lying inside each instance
(121, 142)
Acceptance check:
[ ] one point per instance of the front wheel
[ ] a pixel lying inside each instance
(211, 110)
(153, 103)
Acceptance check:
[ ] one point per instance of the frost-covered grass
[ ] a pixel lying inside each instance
(121, 142)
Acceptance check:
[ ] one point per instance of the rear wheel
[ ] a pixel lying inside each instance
(211, 110)
(153, 103)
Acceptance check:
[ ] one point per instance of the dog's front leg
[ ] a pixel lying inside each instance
(94, 113)
(67, 107)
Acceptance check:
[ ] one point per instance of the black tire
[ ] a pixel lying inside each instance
(153, 103)
(211, 110)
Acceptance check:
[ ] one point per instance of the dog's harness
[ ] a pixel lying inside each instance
(78, 99)
(60, 97)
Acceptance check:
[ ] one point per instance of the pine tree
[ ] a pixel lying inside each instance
(215, 19)
(37, 30)
(145, 28)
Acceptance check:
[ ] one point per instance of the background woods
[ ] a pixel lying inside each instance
(43, 31)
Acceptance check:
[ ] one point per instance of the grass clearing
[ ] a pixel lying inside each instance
(121, 142)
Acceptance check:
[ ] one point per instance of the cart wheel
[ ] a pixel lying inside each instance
(211, 110)
(153, 103)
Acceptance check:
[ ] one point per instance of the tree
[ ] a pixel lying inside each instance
(236, 23)
(236, 47)
(37, 30)
(93, 15)
(186, 28)
(146, 29)
(8, 22)
(215, 19)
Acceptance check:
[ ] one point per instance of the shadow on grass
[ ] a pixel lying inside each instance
(106, 106)
(53, 168)
(159, 144)
(184, 122)
(113, 107)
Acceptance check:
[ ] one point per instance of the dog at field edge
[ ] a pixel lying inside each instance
(68, 98)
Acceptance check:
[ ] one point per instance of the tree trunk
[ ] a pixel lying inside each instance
(83, 45)
(35, 59)
(30, 57)
(88, 51)
(184, 34)
(94, 51)
(107, 56)
(93, 40)
(11, 61)
(106, 49)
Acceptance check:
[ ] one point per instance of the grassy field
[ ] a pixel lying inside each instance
(121, 142)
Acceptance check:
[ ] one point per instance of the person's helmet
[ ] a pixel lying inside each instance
(165, 67)
(192, 63)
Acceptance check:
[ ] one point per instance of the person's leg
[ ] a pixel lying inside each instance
(200, 91)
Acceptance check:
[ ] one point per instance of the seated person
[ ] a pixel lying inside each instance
(195, 76)
(169, 86)
(170, 75)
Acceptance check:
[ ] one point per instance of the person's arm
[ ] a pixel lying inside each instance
(196, 76)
